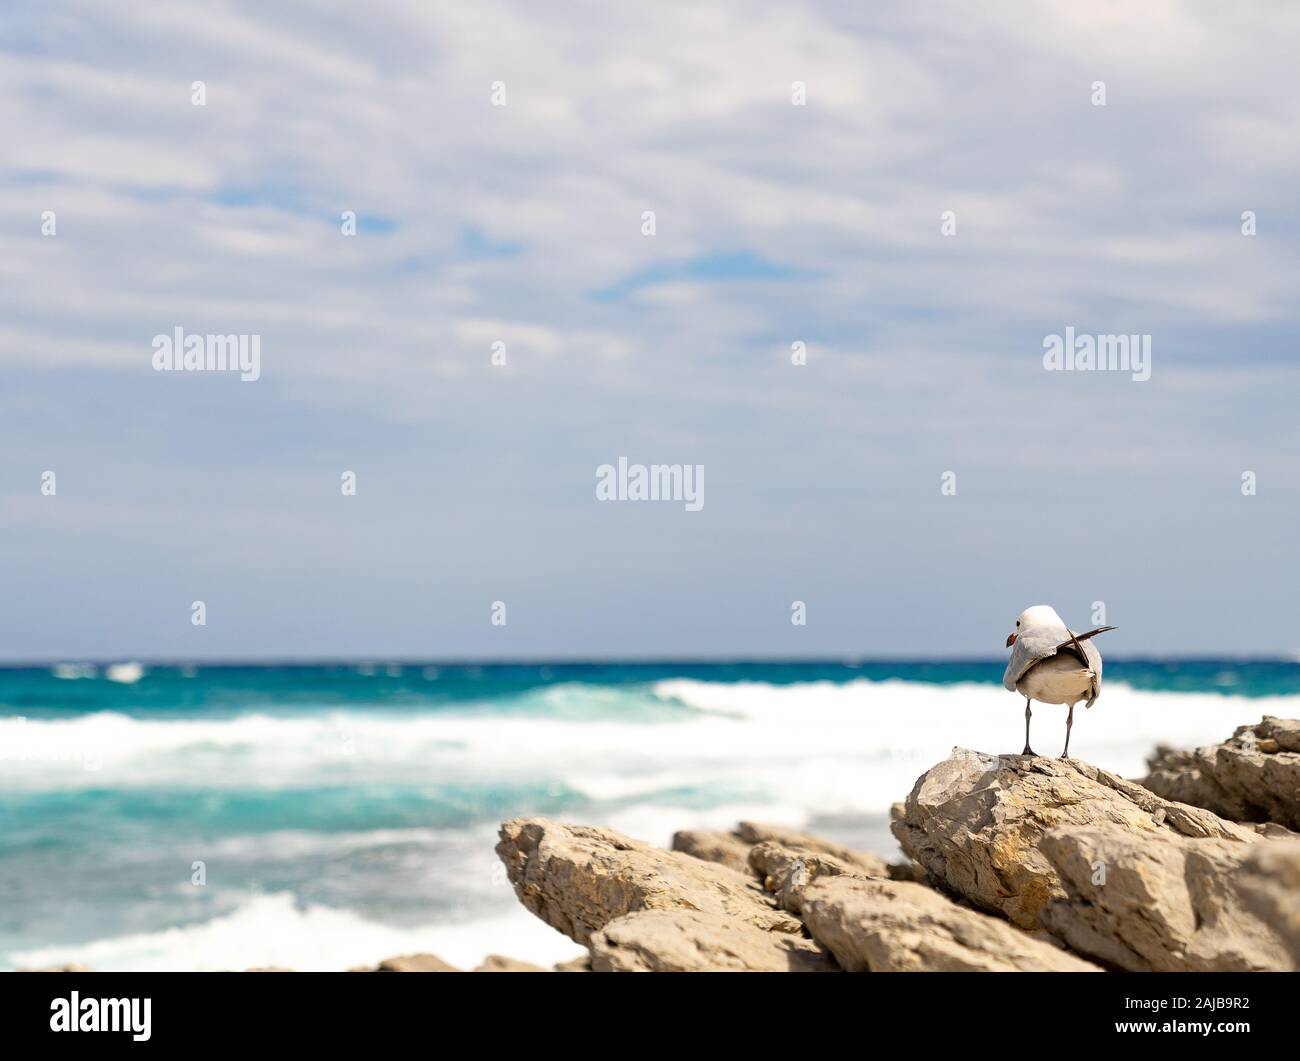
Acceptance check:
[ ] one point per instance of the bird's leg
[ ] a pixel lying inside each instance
(1069, 721)
(1028, 750)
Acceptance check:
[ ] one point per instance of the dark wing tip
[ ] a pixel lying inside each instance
(1074, 639)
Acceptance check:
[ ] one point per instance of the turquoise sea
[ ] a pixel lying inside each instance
(321, 816)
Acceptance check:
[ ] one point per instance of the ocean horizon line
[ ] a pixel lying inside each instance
(596, 661)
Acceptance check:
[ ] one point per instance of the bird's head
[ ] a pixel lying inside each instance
(1035, 618)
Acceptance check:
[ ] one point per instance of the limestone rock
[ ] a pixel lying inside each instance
(975, 821)
(909, 871)
(1270, 883)
(579, 878)
(1154, 900)
(898, 926)
(1254, 776)
(499, 963)
(786, 872)
(415, 963)
(714, 845)
(685, 940)
(757, 832)
(733, 848)
(580, 964)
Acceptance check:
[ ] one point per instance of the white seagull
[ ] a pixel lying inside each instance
(1052, 664)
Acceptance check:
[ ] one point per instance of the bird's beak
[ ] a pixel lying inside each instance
(1011, 640)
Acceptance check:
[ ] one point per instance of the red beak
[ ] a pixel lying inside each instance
(1011, 640)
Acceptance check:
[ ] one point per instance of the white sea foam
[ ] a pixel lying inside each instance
(125, 673)
(915, 724)
(647, 761)
(826, 747)
(73, 671)
(282, 844)
(273, 930)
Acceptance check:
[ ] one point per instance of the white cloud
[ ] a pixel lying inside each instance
(480, 223)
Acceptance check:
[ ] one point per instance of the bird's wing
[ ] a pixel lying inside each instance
(1094, 664)
(1084, 637)
(1091, 657)
(1029, 649)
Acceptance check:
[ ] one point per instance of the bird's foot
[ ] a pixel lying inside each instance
(1029, 751)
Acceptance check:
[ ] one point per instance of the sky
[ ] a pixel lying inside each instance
(916, 483)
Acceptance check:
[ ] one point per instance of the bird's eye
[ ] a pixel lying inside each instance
(1017, 622)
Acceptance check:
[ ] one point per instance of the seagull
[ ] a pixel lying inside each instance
(1052, 664)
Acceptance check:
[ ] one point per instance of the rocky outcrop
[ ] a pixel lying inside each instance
(686, 941)
(1269, 881)
(1254, 776)
(714, 845)
(415, 963)
(874, 925)
(579, 878)
(499, 963)
(1155, 900)
(785, 872)
(733, 848)
(976, 822)
(641, 909)
(863, 861)
(1030, 864)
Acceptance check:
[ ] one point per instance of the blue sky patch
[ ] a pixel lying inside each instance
(726, 267)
